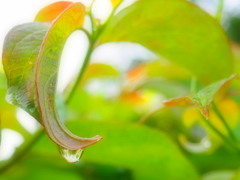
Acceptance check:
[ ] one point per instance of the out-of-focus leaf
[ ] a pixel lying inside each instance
(236, 53)
(166, 69)
(233, 27)
(149, 76)
(52, 11)
(31, 59)
(116, 2)
(178, 31)
(222, 158)
(48, 166)
(98, 70)
(167, 88)
(148, 153)
(41, 167)
(203, 98)
(236, 175)
(219, 175)
(102, 109)
(158, 69)
(93, 171)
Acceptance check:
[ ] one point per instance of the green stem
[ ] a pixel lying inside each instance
(193, 87)
(22, 151)
(148, 115)
(101, 28)
(87, 33)
(219, 12)
(224, 122)
(96, 32)
(222, 136)
(81, 73)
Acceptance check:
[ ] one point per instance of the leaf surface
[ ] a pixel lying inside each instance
(146, 152)
(150, 154)
(31, 60)
(115, 2)
(202, 98)
(178, 31)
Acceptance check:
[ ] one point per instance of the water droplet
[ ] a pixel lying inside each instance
(196, 140)
(71, 156)
(203, 146)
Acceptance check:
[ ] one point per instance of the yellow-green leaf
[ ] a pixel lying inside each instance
(115, 2)
(178, 31)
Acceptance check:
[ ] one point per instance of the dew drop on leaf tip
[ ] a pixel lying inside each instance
(71, 156)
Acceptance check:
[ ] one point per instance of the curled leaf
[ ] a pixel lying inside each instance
(31, 59)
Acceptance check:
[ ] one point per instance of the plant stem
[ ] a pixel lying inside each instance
(81, 73)
(149, 114)
(222, 136)
(193, 87)
(224, 122)
(23, 151)
(96, 32)
(219, 12)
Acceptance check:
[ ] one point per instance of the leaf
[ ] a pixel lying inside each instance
(31, 58)
(167, 69)
(54, 168)
(52, 11)
(98, 70)
(8, 112)
(178, 31)
(39, 167)
(147, 153)
(230, 110)
(203, 98)
(219, 175)
(115, 2)
(236, 175)
(164, 87)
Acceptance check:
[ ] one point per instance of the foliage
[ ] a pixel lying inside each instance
(173, 117)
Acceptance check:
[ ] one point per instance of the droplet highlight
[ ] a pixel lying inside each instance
(71, 156)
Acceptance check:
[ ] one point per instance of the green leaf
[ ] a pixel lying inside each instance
(31, 58)
(178, 31)
(205, 96)
(236, 175)
(219, 175)
(40, 167)
(98, 70)
(202, 98)
(147, 153)
(164, 87)
(115, 2)
(8, 112)
(150, 154)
